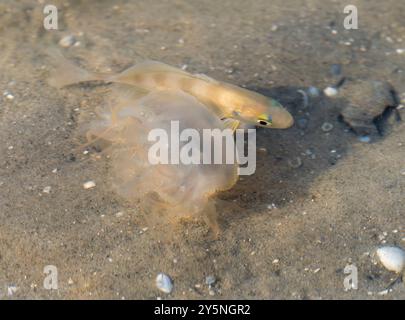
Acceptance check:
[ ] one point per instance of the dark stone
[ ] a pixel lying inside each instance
(367, 101)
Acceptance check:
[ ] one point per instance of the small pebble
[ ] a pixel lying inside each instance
(119, 214)
(271, 206)
(302, 123)
(326, 127)
(89, 185)
(336, 69)
(47, 189)
(67, 41)
(364, 139)
(313, 91)
(164, 283)
(403, 172)
(330, 91)
(400, 51)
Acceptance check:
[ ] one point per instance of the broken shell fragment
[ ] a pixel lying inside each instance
(326, 127)
(67, 41)
(392, 258)
(210, 280)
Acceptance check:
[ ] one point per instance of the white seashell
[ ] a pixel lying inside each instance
(330, 91)
(392, 258)
(164, 283)
(89, 185)
(8, 95)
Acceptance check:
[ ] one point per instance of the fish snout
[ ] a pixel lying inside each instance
(289, 121)
(283, 120)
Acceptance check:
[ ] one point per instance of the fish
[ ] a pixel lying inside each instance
(232, 104)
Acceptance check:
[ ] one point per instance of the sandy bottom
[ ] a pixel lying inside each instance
(346, 198)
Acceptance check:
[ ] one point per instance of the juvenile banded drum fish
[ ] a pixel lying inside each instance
(231, 103)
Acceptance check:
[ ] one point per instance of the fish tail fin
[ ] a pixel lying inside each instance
(67, 73)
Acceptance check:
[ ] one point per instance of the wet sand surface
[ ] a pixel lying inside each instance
(288, 231)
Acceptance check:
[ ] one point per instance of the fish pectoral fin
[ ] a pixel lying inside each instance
(231, 123)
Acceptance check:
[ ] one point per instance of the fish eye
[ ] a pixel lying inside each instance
(263, 122)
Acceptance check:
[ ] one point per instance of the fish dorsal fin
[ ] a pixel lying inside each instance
(205, 78)
(151, 66)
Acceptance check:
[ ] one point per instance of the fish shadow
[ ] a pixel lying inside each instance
(289, 161)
